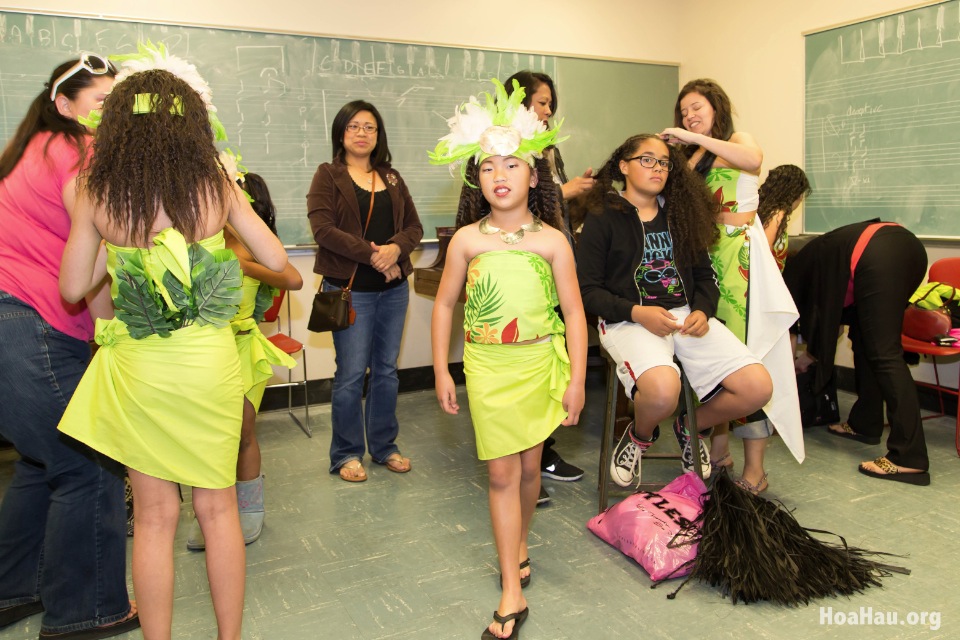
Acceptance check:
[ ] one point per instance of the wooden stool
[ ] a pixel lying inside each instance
(613, 388)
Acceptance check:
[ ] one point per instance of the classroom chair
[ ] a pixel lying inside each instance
(946, 270)
(290, 346)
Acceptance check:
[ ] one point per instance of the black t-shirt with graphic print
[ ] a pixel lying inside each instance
(657, 278)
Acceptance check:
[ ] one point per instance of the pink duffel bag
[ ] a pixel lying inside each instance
(643, 525)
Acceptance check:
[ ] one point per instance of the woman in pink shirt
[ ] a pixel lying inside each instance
(62, 520)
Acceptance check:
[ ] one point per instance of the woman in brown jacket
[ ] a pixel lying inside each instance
(366, 225)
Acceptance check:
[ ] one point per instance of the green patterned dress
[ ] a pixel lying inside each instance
(515, 390)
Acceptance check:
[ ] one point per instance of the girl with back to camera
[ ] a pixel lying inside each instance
(366, 225)
(644, 270)
(514, 258)
(754, 302)
(61, 521)
(161, 206)
(257, 355)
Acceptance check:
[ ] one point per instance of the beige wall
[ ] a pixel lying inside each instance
(762, 70)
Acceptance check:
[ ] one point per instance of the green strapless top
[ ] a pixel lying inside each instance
(511, 297)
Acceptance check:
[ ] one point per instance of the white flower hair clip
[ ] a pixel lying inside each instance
(498, 126)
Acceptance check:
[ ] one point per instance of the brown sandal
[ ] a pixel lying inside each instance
(397, 463)
(352, 471)
(755, 489)
(844, 430)
(890, 471)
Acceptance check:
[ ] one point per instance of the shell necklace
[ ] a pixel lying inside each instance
(509, 237)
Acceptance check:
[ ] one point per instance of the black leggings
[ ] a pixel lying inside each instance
(890, 270)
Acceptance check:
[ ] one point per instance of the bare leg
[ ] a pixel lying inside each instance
(753, 452)
(248, 460)
(506, 515)
(529, 491)
(720, 445)
(744, 391)
(658, 389)
(216, 510)
(156, 511)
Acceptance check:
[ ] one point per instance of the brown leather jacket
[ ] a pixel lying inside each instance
(337, 223)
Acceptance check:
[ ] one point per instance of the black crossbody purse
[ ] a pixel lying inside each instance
(333, 310)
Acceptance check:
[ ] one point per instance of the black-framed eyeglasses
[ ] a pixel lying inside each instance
(649, 162)
(367, 128)
(97, 65)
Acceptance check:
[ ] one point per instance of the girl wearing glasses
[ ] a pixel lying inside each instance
(164, 393)
(65, 503)
(365, 225)
(644, 269)
(752, 293)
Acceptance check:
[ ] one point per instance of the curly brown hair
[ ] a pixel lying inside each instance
(692, 213)
(783, 186)
(542, 200)
(161, 160)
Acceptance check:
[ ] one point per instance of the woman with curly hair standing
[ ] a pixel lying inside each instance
(164, 393)
(644, 270)
(754, 303)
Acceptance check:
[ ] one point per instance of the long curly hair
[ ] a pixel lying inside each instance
(722, 127)
(542, 200)
(42, 115)
(164, 159)
(783, 186)
(691, 212)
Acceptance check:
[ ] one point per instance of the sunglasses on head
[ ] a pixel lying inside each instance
(97, 65)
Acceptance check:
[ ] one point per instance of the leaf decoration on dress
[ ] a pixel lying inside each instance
(137, 302)
(208, 293)
(217, 282)
(264, 300)
(487, 302)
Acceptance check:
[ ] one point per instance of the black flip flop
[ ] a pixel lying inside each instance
(921, 479)
(519, 617)
(854, 436)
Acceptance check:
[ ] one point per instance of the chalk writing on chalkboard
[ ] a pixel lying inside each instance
(881, 123)
(277, 95)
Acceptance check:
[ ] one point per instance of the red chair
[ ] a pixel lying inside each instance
(946, 270)
(290, 346)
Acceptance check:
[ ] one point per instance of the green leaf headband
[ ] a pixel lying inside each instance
(499, 126)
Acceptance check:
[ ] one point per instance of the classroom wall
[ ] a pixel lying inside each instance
(764, 77)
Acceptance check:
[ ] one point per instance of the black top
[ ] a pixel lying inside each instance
(656, 277)
(380, 231)
(609, 256)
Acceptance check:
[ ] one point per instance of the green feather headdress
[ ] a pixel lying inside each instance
(498, 126)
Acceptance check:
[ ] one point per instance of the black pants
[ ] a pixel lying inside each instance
(890, 270)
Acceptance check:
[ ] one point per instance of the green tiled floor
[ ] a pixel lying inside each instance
(411, 556)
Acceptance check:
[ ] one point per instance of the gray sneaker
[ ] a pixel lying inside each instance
(625, 465)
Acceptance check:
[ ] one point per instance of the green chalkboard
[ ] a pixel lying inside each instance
(882, 122)
(277, 95)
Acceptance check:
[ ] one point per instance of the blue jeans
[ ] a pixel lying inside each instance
(372, 342)
(62, 521)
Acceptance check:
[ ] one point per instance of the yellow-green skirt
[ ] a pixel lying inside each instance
(257, 355)
(515, 393)
(170, 407)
